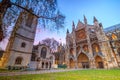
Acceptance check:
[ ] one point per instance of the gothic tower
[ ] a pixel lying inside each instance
(104, 45)
(74, 44)
(19, 48)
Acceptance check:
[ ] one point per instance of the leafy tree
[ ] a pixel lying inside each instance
(52, 43)
(45, 10)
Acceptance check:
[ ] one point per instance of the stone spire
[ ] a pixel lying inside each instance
(79, 21)
(94, 19)
(73, 26)
(67, 31)
(100, 24)
(85, 20)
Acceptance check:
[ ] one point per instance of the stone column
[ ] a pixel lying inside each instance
(89, 43)
(50, 65)
(105, 62)
(44, 65)
(37, 65)
(74, 48)
(68, 64)
(67, 57)
(92, 63)
(76, 63)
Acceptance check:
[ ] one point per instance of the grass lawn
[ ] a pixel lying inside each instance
(6, 70)
(71, 75)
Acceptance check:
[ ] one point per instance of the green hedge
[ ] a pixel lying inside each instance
(62, 66)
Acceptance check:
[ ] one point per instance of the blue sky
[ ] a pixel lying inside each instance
(106, 11)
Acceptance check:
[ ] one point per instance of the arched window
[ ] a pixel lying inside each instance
(46, 64)
(114, 37)
(43, 52)
(42, 64)
(96, 48)
(23, 44)
(85, 48)
(18, 60)
(29, 20)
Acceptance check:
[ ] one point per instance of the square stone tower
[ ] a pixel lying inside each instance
(19, 48)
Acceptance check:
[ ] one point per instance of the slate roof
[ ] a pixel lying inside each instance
(112, 28)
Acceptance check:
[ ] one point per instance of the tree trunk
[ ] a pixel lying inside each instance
(4, 5)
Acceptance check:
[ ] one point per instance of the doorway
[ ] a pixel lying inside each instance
(83, 61)
(85, 64)
(99, 62)
(100, 65)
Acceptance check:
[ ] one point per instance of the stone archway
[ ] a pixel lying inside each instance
(46, 65)
(42, 64)
(43, 52)
(18, 60)
(99, 62)
(83, 61)
(50, 65)
(71, 63)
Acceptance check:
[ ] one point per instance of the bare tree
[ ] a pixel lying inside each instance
(51, 42)
(45, 10)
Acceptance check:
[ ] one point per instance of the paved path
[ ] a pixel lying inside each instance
(35, 72)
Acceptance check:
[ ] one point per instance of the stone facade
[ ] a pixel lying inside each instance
(42, 58)
(87, 46)
(113, 34)
(60, 55)
(19, 48)
(20, 52)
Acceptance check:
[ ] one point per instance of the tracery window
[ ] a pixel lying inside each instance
(43, 52)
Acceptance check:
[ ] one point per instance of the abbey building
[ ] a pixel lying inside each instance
(89, 46)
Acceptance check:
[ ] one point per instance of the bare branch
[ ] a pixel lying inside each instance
(45, 17)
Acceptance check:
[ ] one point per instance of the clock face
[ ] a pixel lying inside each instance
(80, 34)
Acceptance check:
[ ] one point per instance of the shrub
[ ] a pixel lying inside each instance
(62, 66)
